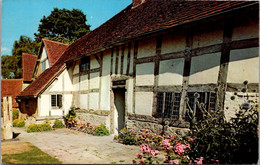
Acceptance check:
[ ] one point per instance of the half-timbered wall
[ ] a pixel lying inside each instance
(213, 58)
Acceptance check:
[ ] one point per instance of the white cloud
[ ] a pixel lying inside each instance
(5, 51)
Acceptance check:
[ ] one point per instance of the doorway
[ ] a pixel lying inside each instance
(119, 100)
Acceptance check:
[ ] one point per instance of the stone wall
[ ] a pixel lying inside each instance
(139, 122)
(94, 117)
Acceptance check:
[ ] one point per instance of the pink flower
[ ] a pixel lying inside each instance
(190, 162)
(139, 155)
(180, 148)
(174, 161)
(166, 143)
(199, 161)
(154, 152)
(134, 161)
(191, 140)
(145, 148)
(165, 159)
(91, 125)
(141, 162)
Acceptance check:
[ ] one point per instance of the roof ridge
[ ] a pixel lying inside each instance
(13, 79)
(57, 42)
(23, 53)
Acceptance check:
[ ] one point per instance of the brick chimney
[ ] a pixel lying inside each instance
(136, 3)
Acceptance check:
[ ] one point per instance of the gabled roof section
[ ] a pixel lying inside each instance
(147, 18)
(28, 63)
(54, 50)
(11, 87)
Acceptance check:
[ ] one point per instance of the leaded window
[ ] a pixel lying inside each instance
(197, 101)
(168, 105)
(85, 64)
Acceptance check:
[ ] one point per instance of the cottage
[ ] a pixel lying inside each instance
(137, 69)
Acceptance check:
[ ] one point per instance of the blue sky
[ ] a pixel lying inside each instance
(22, 17)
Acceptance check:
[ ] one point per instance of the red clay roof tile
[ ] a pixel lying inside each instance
(11, 87)
(28, 62)
(148, 17)
(54, 50)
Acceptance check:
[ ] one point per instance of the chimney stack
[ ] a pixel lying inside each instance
(136, 3)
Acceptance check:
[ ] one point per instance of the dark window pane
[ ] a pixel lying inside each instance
(53, 100)
(85, 64)
(159, 104)
(176, 107)
(59, 100)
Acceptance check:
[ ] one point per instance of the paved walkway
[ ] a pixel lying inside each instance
(74, 147)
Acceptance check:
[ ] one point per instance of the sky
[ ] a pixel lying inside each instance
(22, 17)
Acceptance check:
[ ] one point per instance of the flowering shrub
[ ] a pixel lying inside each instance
(126, 136)
(58, 124)
(70, 118)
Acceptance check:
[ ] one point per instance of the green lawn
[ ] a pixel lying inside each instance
(33, 156)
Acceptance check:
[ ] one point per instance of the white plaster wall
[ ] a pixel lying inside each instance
(114, 62)
(57, 84)
(83, 101)
(105, 81)
(44, 54)
(76, 68)
(173, 42)
(243, 65)
(246, 31)
(204, 69)
(94, 80)
(56, 112)
(232, 106)
(119, 61)
(45, 105)
(131, 60)
(146, 47)
(67, 102)
(125, 60)
(93, 101)
(171, 71)
(67, 76)
(145, 74)
(93, 62)
(75, 83)
(84, 82)
(130, 92)
(143, 103)
(207, 37)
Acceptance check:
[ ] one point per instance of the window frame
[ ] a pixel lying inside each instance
(58, 101)
(168, 102)
(84, 64)
(207, 97)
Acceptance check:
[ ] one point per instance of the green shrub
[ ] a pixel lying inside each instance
(18, 123)
(44, 127)
(38, 127)
(127, 137)
(15, 114)
(233, 142)
(101, 130)
(58, 124)
(32, 128)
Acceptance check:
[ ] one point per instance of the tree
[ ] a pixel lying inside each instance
(63, 25)
(12, 65)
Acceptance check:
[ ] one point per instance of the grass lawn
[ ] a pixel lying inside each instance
(25, 153)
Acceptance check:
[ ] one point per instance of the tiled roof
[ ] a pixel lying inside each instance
(149, 17)
(28, 62)
(11, 87)
(54, 50)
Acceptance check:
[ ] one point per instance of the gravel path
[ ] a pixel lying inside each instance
(74, 147)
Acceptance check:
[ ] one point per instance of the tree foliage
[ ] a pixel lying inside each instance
(63, 25)
(12, 65)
